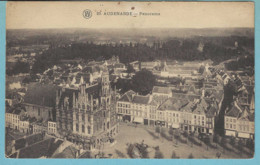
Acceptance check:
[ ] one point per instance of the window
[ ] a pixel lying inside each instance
(77, 116)
(83, 117)
(77, 127)
(39, 111)
(83, 128)
(89, 130)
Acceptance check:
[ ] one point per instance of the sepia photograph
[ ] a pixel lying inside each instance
(130, 80)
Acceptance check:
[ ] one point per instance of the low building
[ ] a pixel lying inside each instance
(52, 128)
(12, 118)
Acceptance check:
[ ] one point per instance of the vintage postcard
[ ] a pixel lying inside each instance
(130, 80)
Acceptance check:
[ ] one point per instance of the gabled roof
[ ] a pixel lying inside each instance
(211, 111)
(128, 96)
(199, 109)
(188, 107)
(234, 111)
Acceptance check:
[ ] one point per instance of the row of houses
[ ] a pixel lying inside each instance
(18, 119)
(161, 108)
(239, 116)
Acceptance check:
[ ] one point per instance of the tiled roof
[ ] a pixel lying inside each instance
(234, 111)
(69, 152)
(44, 148)
(164, 90)
(21, 143)
(251, 116)
(141, 99)
(15, 111)
(199, 109)
(211, 111)
(188, 107)
(40, 94)
(173, 104)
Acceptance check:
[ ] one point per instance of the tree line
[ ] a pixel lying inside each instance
(175, 49)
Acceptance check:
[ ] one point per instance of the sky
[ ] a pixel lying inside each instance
(42, 15)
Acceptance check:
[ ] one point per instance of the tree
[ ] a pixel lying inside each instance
(19, 67)
(158, 154)
(171, 133)
(158, 130)
(216, 138)
(240, 145)
(130, 69)
(50, 73)
(26, 80)
(190, 156)
(223, 142)
(191, 136)
(174, 156)
(177, 135)
(207, 141)
(232, 141)
(143, 82)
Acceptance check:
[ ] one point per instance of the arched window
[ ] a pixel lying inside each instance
(89, 130)
(83, 128)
